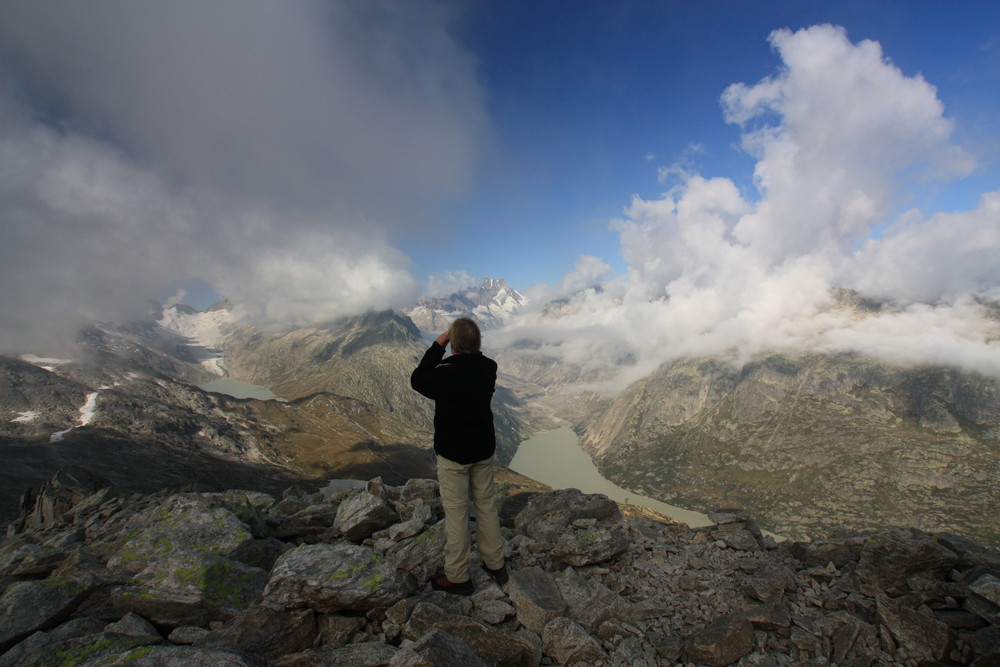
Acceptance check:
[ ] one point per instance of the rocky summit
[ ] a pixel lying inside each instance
(95, 575)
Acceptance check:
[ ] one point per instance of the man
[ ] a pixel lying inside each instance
(464, 440)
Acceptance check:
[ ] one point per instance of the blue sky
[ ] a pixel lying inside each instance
(316, 159)
(588, 100)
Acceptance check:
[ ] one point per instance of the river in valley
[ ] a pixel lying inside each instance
(555, 458)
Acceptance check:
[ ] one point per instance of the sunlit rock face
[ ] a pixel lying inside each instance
(810, 442)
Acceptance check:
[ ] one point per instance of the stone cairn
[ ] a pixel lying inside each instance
(98, 576)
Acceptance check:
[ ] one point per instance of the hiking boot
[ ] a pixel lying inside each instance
(499, 575)
(443, 584)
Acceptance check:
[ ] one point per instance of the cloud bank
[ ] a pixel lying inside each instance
(840, 137)
(268, 149)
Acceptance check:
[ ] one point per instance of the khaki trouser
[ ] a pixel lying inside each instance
(456, 481)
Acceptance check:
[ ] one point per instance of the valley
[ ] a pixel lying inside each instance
(808, 443)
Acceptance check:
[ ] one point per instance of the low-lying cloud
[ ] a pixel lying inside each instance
(840, 137)
(268, 149)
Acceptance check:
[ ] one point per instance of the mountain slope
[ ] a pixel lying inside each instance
(811, 442)
(368, 358)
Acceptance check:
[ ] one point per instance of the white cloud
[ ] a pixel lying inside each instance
(841, 137)
(265, 148)
(447, 283)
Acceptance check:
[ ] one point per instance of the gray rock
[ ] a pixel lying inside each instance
(91, 649)
(493, 646)
(768, 617)
(187, 634)
(29, 606)
(920, 637)
(365, 654)
(308, 522)
(361, 514)
(891, 557)
(181, 656)
(580, 548)
(988, 587)
(265, 631)
(728, 516)
(741, 540)
(132, 625)
(401, 531)
(419, 489)
(34, 647)
(566, 642)
(182, 523)
(722, 643)
(191, 588)
(437, 648)
(821, 553)
(852, 640)
(548, 515)
(536, 597)
(590, 603)
(769, 585)
(329, 577)
(30, 560)
(46, 505)
(336, 630)
(421, 555)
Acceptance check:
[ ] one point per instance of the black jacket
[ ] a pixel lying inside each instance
(462, 387)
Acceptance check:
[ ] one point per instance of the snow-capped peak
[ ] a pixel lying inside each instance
(492, 304)
(207, 330)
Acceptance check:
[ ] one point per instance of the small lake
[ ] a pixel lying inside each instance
(555, 458)
(238, 389)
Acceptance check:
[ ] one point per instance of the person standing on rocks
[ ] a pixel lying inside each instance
(462, 387)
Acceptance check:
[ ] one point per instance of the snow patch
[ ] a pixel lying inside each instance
(48, 363)
(25, 417)
(87, 411)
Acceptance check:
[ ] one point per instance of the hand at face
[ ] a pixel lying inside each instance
(443, 339)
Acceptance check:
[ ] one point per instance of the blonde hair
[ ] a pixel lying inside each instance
(465, 336)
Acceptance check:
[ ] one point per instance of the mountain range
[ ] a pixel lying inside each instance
(808, 442)
(492, 304)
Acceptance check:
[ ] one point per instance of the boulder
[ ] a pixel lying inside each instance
(920, 636)
(536, 597)
(422, 555)
(191, 588)
(590, 603)
(306, 523)
(548, 515)
(721, 643)
(437, 648)
(365, 654)
(579, 548)
(493, 646)
(360, 514)
(331, 577)
(265, 631)
(183, 656)
(29, 606)
(566, 642)
(44, 507)
(890, 558)
(133, 625)
(181, 523)
(101, 648)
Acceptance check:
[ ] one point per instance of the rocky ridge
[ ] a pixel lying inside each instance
(103, 576)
